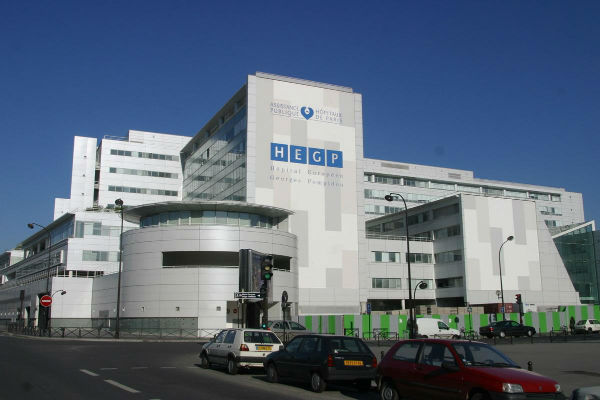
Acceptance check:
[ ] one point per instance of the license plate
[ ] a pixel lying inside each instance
(263, 348)
(357, 363)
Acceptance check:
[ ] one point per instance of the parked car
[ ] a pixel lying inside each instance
(320, 359)
(457, 369)
(506, 328)
(235, 348)
(435, 328)
(277, 326)
(587, 325)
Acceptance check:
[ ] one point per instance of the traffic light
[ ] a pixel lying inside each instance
(266, 268)
(263, 290)
(518, 297)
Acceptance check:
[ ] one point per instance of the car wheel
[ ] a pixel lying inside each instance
(530, 333)
(479, 396)
(363, 384)
(204, 363)
(502, 334)
(232, 367)
(317, 384)
(272, 375)
(388, 391)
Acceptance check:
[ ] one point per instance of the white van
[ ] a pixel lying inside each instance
(435, 328)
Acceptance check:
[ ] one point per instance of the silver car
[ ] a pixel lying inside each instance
(235, 348)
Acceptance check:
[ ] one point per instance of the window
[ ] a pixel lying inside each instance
(493, 191)
(415, 183)
(435, 354)
(384, 256)
(260, 337)
(516, 193)
(220, 337)
(449, 282)
(292, 347)
(468, 188)
(555, 197)
(441, 185)
(347, 345)
(407, 352)
(539, 196)
(447, 232)
(296, 326)
(551, 223)
(310, 345)
(445, 211)
(386, 283)
(448, 256)
(419, 258)
(230, 337)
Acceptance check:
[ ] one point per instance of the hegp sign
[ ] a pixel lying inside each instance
(307, 155)
(46, 301)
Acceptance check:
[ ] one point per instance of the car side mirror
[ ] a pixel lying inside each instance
(450, 366)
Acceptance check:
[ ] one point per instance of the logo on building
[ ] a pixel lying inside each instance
(307, 112)
(307, 155)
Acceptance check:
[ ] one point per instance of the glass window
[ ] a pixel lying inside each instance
(433, 354)
(260, 337)
(244, 219)
(292, 347)
(196, 217)
(254, 220)
(164, 218)
(230, 338)
(407, 352)
(208, 217)
(221, 217)
(232, 218)
(310, 345)
(347, 345)
(296, 326)
(220, 337)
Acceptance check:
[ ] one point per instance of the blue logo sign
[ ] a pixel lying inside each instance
(307, 112)
(307, 155)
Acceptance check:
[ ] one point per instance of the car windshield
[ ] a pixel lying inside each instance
(347, 345)
(481, 355)
(260, 337)
(582, 322)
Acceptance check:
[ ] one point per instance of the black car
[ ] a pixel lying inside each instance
(319, 359)
(506, 328)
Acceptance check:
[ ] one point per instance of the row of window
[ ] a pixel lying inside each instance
(207, 217)
(409, 197)
(94, 255)
(372, 209)
(142, 172)
(87, 228)
(159, 192)
(396, 283)
(140, 154)
(440, 258)
(545, 210)
(395, 180)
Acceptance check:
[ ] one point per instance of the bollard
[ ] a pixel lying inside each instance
(529, 366)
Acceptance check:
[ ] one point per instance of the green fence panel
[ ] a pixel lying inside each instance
(452, 323)
(367, 326)
(331, 325)
(308, 322)
(468, 322)
(499, 317)
(402, 322)
(555, 320)
(436, 316)
(320, 324)
(384, 322)
(597, 312)
(514, 316)
(483, 320)
(584, 313)
(528, 319)
(543, 323)
(349, 322)
(572, 312)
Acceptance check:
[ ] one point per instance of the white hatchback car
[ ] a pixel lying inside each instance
(589, 325)
(235, 348)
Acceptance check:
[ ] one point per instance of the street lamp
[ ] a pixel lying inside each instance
(30, 226)
(62, 292)
(119, 202)
(411, 333)
(508, 239)
(420, 285)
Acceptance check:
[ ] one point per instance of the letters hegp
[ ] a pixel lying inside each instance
(304, 155)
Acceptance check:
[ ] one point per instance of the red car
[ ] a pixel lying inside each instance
(457, 369)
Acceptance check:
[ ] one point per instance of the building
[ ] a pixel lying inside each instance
(279, 169)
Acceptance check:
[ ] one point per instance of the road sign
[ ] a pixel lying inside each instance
(502, 309)
(46, 301)
(368, 308)
(246, 295)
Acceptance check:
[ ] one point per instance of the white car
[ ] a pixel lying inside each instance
(589, 325)
(235, 348)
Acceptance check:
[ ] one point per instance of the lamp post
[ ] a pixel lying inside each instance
(420, 285)
(30, 226)
(411, 333)
(508, 239)
(119, 202)
(62, 292)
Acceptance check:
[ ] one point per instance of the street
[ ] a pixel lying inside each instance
(42, 368)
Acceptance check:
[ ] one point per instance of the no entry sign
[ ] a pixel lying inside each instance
(46, 301)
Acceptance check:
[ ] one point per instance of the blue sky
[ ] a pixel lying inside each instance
(508, 89)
